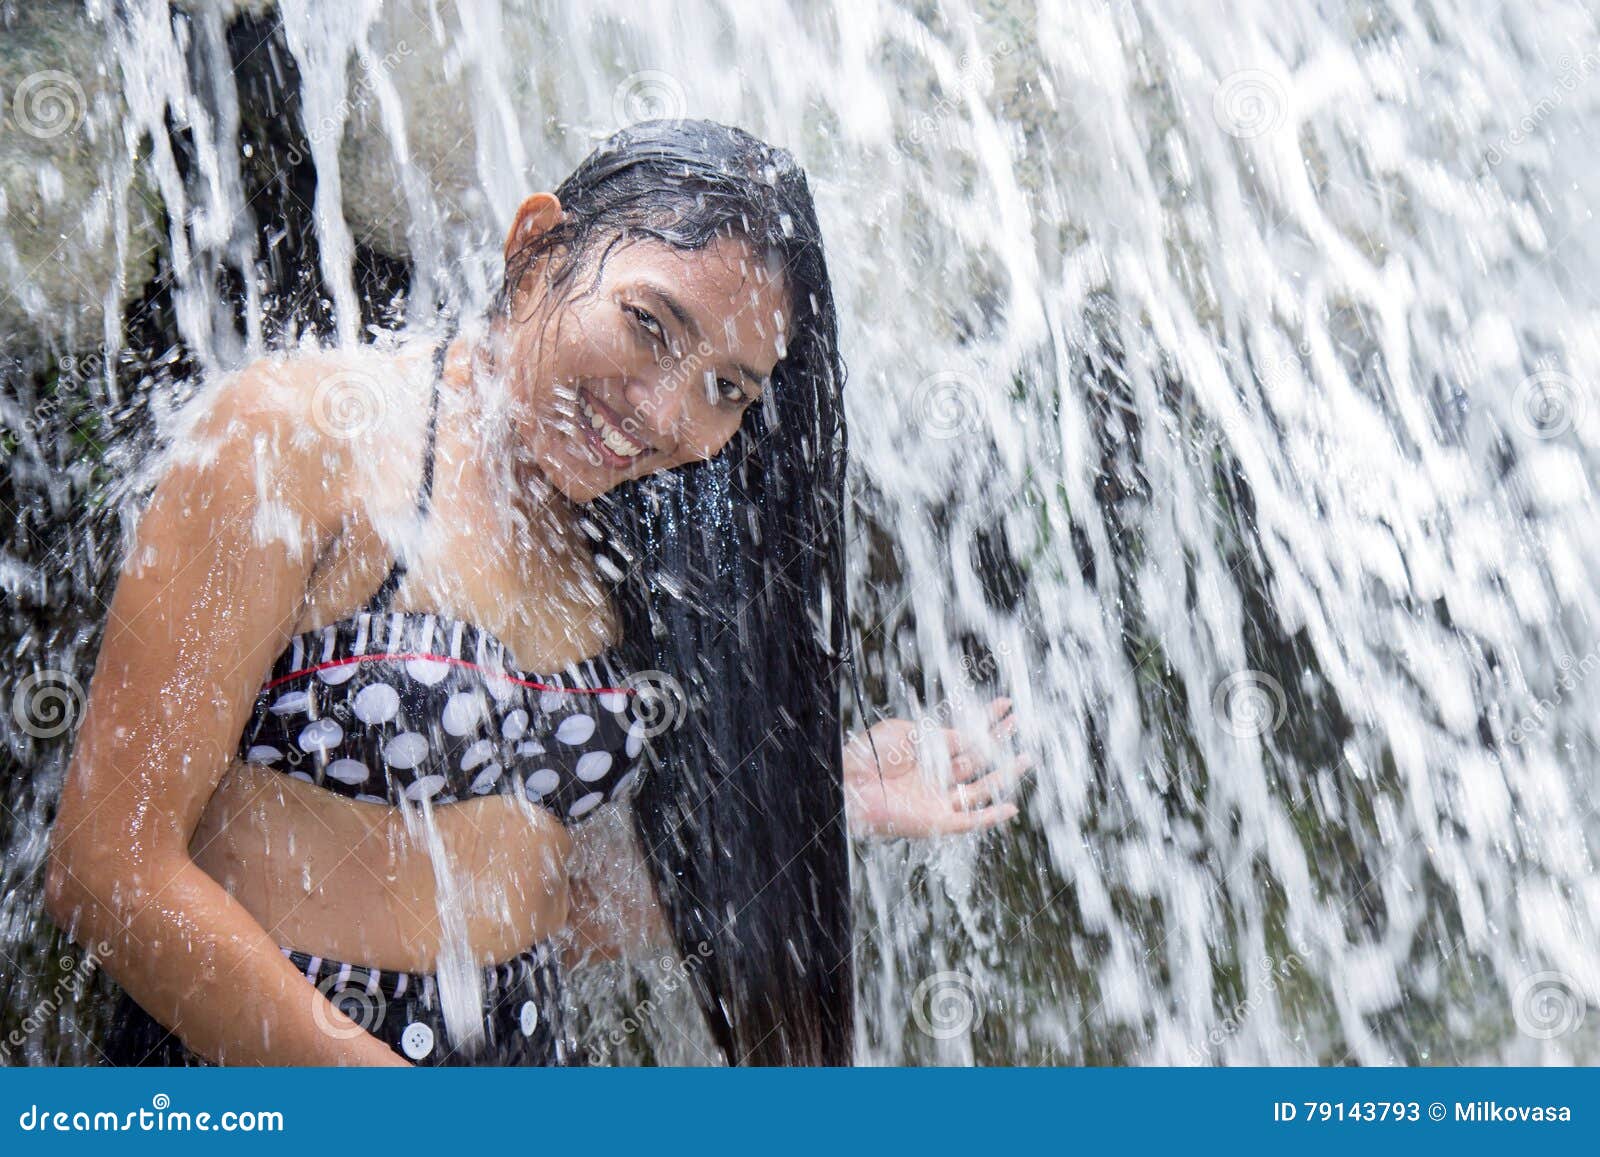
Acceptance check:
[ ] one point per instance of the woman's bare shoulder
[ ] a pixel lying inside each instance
(347, 419)
(337, 395)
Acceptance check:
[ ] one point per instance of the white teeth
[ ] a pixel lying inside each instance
(616, 441)
(618, 445)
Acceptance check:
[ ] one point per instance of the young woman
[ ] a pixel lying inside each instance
(398, 621)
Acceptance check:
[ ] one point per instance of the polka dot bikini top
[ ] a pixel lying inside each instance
(388, 706)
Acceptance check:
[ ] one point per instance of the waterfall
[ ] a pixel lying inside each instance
(1223, 391)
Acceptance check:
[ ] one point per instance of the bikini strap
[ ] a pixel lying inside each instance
(379, 602)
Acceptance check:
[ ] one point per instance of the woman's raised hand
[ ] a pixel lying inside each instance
(906, 800)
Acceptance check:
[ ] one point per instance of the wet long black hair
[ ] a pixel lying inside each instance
(729, 574)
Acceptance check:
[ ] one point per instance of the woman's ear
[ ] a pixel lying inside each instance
(538, 214)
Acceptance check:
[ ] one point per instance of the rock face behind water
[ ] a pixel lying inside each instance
(411, 143)
(77, 227)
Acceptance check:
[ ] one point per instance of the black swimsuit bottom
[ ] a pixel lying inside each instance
(524, 1020)
(415, 709)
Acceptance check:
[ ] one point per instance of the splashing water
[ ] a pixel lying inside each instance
(1226, 396)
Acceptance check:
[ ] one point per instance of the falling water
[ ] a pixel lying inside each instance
(1221, 390)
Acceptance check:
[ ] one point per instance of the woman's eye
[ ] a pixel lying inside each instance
(650, 324)
(723, 390)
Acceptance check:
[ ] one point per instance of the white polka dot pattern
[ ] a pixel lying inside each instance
(522, 1007)
(349, 771)
(411, 708)
(377, 703)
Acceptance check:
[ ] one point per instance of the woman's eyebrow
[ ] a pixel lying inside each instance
(687, 320)
(677, 310)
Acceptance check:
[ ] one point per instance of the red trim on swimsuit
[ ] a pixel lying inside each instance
(406, 656)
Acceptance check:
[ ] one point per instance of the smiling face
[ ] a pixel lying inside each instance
(649, 367)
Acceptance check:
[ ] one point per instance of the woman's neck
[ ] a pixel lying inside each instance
(503, 492)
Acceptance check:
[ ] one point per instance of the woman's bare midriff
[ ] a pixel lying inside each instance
(345, 880)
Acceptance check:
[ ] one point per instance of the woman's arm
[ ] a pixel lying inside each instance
(209, 594)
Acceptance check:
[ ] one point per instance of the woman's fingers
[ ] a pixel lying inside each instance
(984, 791)
(973, 821)
(1004, 723)
(964, 767)
(1001, 724)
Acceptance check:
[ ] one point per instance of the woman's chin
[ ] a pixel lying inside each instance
(577, 478)
(576, 470)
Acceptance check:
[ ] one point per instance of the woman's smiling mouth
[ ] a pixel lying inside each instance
(603, 430)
